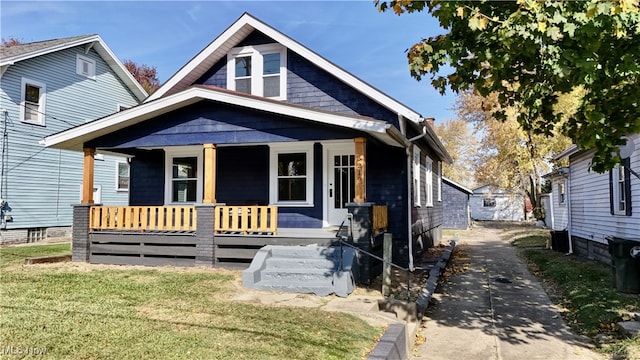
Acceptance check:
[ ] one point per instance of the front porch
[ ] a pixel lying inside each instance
(206, 235)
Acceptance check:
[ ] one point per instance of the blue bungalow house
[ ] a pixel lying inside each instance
(260, 141)
(46, 87)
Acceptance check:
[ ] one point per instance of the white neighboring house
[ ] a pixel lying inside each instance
(602, 205)
(556, 202)
(490, 203)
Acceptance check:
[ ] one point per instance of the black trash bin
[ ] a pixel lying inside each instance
(560, 240)
(625, 261)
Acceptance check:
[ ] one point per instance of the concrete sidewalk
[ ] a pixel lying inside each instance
(495, 309)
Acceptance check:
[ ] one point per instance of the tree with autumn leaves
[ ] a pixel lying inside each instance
(146, 75)
(500, 152)
(528, 53)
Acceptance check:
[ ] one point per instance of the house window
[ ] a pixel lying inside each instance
(122, 176)
(184, 175)
(428, 187)
(271, 75)
(561, 193)
(488, 202)
(32, 106)
(258, 70)
(243, 74)
(291, 175)
(620, 189)
(416, 176)
(85, 66)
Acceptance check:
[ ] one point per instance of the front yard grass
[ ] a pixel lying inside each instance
(80, 311)
(584, 290)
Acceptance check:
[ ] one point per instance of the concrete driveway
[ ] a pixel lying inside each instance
(495, 309)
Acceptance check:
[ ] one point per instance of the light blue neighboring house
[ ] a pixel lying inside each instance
(46, 87)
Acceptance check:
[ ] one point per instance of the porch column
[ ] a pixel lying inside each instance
(87, 178)
(209, 196)
(361, 170)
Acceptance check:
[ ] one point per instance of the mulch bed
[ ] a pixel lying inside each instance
(407, 286)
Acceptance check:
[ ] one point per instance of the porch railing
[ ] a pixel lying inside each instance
(380, 218)
(246, 219)
(169, 218)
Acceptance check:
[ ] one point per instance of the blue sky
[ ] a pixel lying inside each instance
(167, 34)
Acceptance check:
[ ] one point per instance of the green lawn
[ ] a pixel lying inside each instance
(79, 311)
(585, 290)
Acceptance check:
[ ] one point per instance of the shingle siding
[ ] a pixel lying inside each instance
(387, 185)
(146, 182)
(209, 122)
(310, 86)
(43, 183)
(455, 207)
(243, 175)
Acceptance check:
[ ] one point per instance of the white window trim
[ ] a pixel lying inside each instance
(118, 189)
(286, 148)
(92, 66)
(256, 52)
(616, 190)
(182, 151)
(97, 193)
(428, 184)
(439, 181)
(562, 195)
(41, 101)
(416, 176)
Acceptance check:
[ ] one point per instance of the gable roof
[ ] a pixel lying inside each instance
(242, 27)
(456, 185)
(573, 149)
(74, 138)
(10, 55)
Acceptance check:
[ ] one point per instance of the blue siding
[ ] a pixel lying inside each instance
(41, 184)
(310, 86)
(387, 185)
(146, 183)
(455, 204)
(426, 221)
(210, 122)
(256, 38)
(242, 179)
(243, 175)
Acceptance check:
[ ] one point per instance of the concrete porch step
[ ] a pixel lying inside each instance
(297, 274)
(318, 288)
(302, 269)
(293, 263)
(298, 252)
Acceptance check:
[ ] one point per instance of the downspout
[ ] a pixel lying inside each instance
(569, 212)
(409, 153)
(551, 205)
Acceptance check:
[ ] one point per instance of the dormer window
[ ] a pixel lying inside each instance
(258, 70)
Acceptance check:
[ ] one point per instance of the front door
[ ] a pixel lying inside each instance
(340, 173)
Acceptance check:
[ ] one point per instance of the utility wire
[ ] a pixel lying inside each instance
(40, 112)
